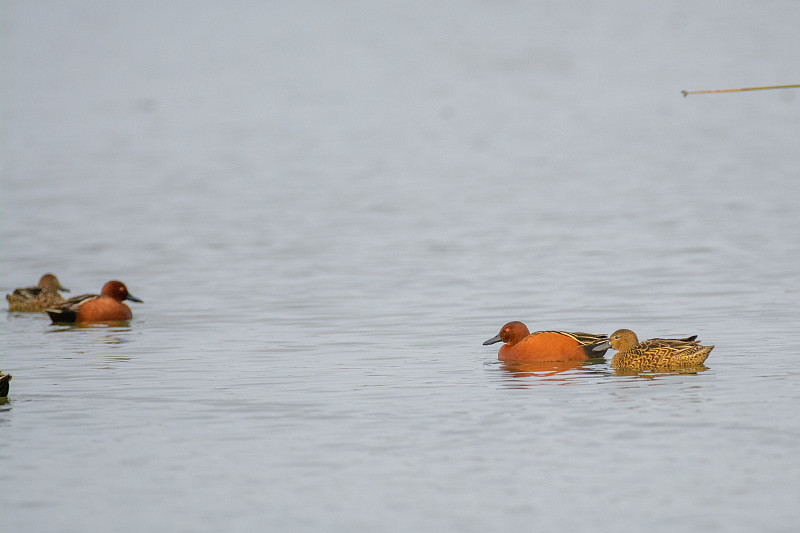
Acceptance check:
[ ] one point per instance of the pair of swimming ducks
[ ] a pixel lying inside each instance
(520, 345)
(86, 308)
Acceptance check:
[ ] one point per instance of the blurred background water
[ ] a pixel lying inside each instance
(327, 207)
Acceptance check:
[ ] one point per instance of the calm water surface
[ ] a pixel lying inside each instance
(326, 209)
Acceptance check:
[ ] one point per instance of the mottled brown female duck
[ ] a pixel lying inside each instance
(39, 298)
(655, 354)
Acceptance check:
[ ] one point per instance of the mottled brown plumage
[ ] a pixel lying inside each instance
(655, 354)
(39, 298)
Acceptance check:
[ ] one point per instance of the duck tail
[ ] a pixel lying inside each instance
(62, 316)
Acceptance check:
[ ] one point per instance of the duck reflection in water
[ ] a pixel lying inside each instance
(655, 374)
(552, 370)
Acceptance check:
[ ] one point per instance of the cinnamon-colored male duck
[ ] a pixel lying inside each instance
(522, 345)
(104, 307)
(33, 299)
(654, 354)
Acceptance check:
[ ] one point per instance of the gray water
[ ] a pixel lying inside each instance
(327, 207)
